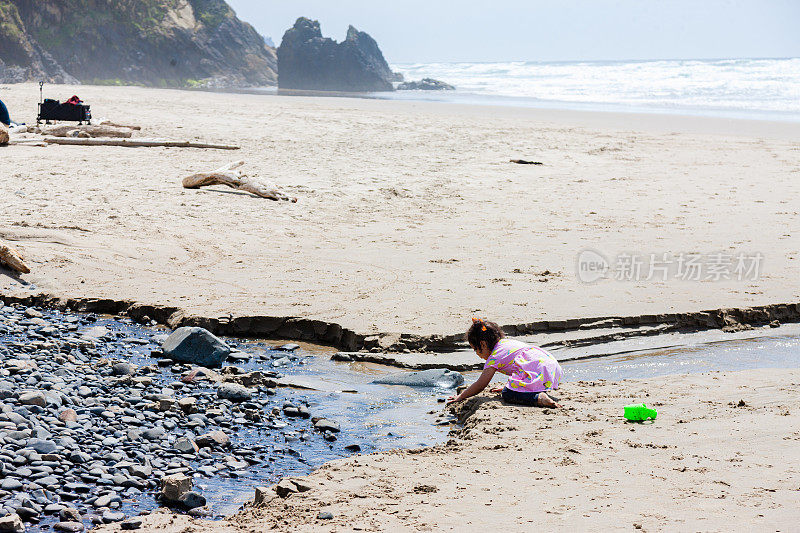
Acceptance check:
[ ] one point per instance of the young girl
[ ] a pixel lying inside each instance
(531, 370)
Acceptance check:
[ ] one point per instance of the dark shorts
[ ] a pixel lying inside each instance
(4, 116)
(520, 397)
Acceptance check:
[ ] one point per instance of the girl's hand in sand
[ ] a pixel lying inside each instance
(481, 383)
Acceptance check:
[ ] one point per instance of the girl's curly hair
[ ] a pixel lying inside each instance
(483, 330)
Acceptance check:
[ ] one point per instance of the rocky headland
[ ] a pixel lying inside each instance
(169, 43)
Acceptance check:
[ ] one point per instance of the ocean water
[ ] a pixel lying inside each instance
(735, 88)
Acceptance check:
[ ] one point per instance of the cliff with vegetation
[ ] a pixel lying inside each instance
(170, 43)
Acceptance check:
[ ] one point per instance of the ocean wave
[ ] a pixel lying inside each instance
(771, 85)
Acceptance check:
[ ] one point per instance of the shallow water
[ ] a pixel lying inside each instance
(375, 417)
(686, 354)
(380, 417)
(779, 351)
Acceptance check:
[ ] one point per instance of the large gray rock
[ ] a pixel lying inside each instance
(155, 433)
(186, 445)
(192, 500)
(308, 61)
(175, 487)
(131, 524)
(323, 424)
(425, 84)
(141, 471)
(69, 527)
(33, 398)
(68, 415)
(112, 516)
(11, 523)
(41, 445)
(214, 438)
(69, 514)
(124, 369)
(197, 346)
(234, 392)
(437, 377)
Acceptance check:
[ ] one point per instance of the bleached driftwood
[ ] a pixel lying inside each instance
(115, 125)
(71, 130)
(228, 175)
(134, 143)
(12, 259)
(27, 142)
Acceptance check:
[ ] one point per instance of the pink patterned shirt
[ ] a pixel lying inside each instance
(529, 368)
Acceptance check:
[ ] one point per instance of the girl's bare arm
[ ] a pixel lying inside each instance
(480, 384)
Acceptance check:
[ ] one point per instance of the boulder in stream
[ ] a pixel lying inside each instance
(234, 392)
(175, 487)
(197, 346)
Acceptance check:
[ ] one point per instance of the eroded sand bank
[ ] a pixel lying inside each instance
(410, 217)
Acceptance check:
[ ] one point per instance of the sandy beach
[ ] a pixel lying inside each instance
(410, 217)
(722, 454)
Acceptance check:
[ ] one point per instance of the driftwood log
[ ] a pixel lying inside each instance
(134, 143)
(115, 125)
(12, 259)
(87, 131)
(228, 175)
(27, 142)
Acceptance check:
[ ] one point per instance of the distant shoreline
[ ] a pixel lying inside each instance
(447, 97)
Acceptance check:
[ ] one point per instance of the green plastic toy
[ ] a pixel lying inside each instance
(638, 412)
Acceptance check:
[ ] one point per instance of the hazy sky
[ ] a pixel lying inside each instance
(500, 30)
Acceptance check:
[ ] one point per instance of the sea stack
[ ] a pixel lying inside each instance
(309, 61)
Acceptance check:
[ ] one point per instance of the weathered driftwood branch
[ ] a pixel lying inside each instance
(148, 143)
(12, 259)
(27, 142)
(115, 125)
(70, 130)
(227, 175)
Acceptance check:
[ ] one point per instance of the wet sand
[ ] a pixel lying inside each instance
(722, 451)
(410, 217)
